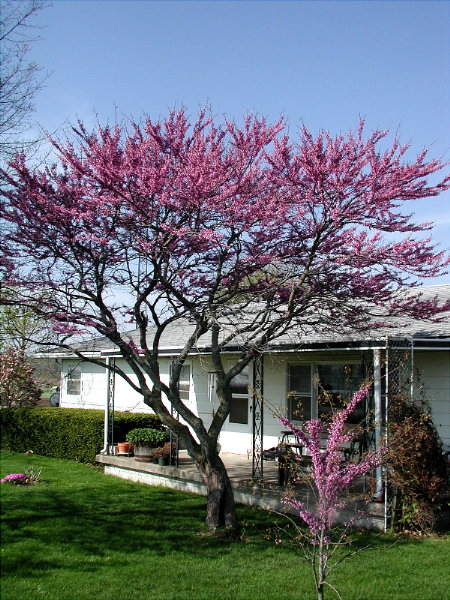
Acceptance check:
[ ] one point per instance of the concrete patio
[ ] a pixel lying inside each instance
(266, 494)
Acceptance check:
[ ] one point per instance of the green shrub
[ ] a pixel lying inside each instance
(417, 465)
(71, 433)
(126, 421)
(147, 437)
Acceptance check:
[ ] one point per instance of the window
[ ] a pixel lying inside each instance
(336, 386)
(239, 398)
(184, 385)
(74, 381)
(318, 390)
(299, 392)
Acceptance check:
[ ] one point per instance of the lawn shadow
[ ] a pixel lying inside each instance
(81, 520)
(117, 519)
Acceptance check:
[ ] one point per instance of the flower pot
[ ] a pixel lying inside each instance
(143, 453)
(124, 447)
(162, 462)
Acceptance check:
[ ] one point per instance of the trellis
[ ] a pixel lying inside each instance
(258, 417)
(399, 382)
(111, 362)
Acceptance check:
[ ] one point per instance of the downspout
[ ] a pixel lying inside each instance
(105, 449)
(378, 419)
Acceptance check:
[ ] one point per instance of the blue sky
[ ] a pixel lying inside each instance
(324, 63)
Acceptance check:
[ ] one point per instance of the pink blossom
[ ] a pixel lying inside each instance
(242, 231)
(16, 478)
(330, 476)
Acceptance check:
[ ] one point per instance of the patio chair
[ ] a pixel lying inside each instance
(358, 446)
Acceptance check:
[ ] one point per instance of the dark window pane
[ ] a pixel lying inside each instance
(239, 399)
(239, 384)
(337, 384)
(299, 407)
(299, 393)
(73, 387)
(239, 410)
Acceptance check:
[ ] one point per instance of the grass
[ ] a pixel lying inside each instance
(80, 534)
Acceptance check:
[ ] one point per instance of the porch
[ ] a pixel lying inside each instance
(265, 494)
(260, 482)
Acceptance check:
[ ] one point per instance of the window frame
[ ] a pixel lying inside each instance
(73, 384)
(185, 392)
(239, 398)
(314, 382)
(290, 365)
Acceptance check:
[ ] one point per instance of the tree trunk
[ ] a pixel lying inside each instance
(221, 510)
(323, 558)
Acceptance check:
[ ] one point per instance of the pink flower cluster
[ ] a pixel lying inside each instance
(15, 478)
(331, 477)
(211, 209)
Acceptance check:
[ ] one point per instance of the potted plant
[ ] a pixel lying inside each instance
(124, 447)
(144, 440)
(162, 455)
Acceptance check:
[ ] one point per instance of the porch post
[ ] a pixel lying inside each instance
(112, 397)
(108, 440)
(378, 418)
(105, 449)
(257, 417)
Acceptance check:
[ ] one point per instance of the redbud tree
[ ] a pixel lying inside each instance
(17, 384)
(331, 478)
(238, 229)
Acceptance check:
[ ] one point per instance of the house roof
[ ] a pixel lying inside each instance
(421, 331)
(301, 336)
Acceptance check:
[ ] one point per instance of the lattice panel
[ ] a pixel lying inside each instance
(400, 367)
(399, 382)
(258, 417)
(111, 394)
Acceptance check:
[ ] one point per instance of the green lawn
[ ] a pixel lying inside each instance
(80, 535)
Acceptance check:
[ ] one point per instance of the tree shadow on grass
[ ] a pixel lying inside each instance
(79, 522)
(79, 527)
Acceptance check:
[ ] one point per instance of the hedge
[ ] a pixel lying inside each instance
(71, 433)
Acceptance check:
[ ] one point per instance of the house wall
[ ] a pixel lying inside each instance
(434, 368)
(236, 437)
(434, 375)
(276, 384)
(125, 397)
(92, 386)
(93, 389)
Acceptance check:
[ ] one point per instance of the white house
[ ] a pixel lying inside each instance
(412, 356)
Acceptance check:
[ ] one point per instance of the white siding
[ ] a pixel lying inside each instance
(200, 401)
(93, 386)
(70, 400)
(275, 390)
(434, 373)
(434, 368)
(125, 397)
